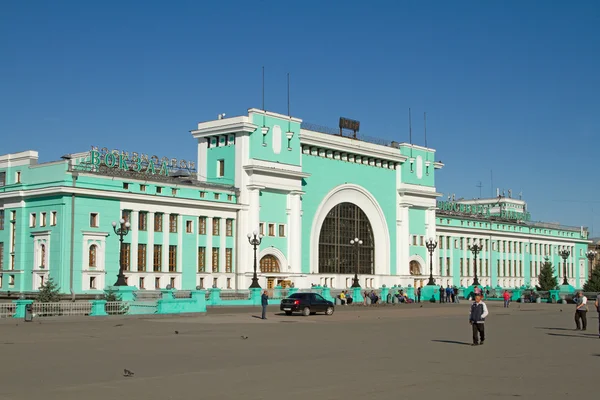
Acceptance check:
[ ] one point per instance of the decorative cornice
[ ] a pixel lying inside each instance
(93, 233)
(223, 127)
(350, 146)
(260, 170)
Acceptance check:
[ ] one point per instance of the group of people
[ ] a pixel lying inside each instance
(345, 297)
(449, 294)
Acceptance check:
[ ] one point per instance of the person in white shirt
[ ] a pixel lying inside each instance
(581, 311)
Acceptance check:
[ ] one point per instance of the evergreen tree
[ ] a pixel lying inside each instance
(593, 283)
(547, 280)
(49, 292)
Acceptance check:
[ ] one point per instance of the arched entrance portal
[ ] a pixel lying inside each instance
(269, 264)
(343, 223)
(415, 270)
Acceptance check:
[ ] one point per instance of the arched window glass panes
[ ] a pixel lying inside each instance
(43, 256)
(345, 222)
(269, 264)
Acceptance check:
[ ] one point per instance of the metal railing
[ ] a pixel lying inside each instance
(242, 294)
(333, 131)
(116, 307)
(7, 310)
(61, 309)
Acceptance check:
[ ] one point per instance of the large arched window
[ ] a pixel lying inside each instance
(92, 256)
(269, 264)
(337, 255)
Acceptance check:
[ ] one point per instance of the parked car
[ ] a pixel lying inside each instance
(307, 304)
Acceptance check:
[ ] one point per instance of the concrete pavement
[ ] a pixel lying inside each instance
(399, 351)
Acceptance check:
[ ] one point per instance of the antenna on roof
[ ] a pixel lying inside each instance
(288, 93)
(263, 88)
(409, 127)
(425, 128)
(479, 185)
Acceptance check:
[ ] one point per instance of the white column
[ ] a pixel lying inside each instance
(254, 206)
(180, 228)
(165, 242)
(150, 245)
(202, 159)
(295, 232)
(209, 241)
(133, 264)
(402, 240)
(222, 237)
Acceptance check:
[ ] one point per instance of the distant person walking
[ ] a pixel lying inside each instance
(477, 316)
(419, 295)
(506, 297)
(581, 312)
(442, 293)
(264, 301)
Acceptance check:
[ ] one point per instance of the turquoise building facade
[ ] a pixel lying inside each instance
(309, 191)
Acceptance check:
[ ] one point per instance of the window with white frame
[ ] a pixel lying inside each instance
(220, 168)
(32, 220)
(94, 220)
(53, 218)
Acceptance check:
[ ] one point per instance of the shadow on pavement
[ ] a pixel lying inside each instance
(573, 336)
(554, 329)
(452, 342)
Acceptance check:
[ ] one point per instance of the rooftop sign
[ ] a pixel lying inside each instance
(135, 163)
(484, 211)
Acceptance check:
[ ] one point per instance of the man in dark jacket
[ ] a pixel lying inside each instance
(477, 316)
(264, 300)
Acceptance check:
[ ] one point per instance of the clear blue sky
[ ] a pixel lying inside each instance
(508, 86)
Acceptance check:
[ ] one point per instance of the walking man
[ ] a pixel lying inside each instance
(477, 320)
(506, 297)
(418, 295)
(581, 311)
(264, 300)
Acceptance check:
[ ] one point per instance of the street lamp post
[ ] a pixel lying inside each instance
(356, 242)
(122, 231)
(564, 254)
(254, 239)
(431, 245)
(591, 254)
(476, 247)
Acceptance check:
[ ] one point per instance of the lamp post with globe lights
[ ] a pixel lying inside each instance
(476, 247)
(122, 231)
(356, 242)
(564, 254)
(431, 245)
(254, 239)
(591, 254)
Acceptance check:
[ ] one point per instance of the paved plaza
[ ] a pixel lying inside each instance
(402, 351)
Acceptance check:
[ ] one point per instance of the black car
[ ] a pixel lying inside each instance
(307, 303)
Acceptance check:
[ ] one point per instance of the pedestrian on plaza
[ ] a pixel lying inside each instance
(418, 295)
(598, 309)
(506, 297)
(581, 311)
(264, 300)
(449, 294)
(477, 316)
(442, 294)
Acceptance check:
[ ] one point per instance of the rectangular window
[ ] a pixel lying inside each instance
(202, 226)
(281, 230)
(215, 282)
(188, 227)
(228, 283)
(217, 196)
(228, 260)
(92, 282)
(141, 283)
(216, 226)
(43, 219)
(142, 221)
(261, 229)
(94, 220)
(271, 229)
(32, 220)
(125, 185)
(158, 190)
(173, 223)
(229, 227)
(215, 259)
(220, 168)
(1, 220)
(126, 215)
(18, 177)
(462, 272)
(156, 283)
(157, 258)
(126, 256)
(2, 179)
(141, 261)
(172, 258)
(441, 241)
(52, 219)
(201, 259)
(442, 266)
(229, 197)
(158, 221)
(448, 266)
(421, 241)
(414, 241)
(174, 192)
(142, 188)
(202, 195)
(448, 242)
(172, 283)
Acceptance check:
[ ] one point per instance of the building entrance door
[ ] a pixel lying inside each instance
(270, 283)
